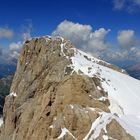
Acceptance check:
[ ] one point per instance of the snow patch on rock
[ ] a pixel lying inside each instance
(1, 121)
(13, 94)
(65, 131)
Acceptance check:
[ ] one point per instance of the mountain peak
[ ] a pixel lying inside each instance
(60, 92)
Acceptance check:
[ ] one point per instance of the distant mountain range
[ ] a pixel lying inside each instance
(6, 70)
(134, 70)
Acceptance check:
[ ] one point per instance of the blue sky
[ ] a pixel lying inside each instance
(42, 17)
(47, 14)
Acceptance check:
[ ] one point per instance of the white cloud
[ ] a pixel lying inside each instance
(136, 53)
(121, 55)
(137, 2)
(127, 5)
(14, 50)
(83, 36)
(117, 55)
(10, 54)
(15, 46)
(127, 38)
(26, 33)
(14, 54)
(127, 49)
(6, 33)
(26, 36)
(118, 4)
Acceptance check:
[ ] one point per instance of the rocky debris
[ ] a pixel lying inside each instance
(112, 67)
(52, 101)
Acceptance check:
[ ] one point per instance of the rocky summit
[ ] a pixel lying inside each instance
(61, 93)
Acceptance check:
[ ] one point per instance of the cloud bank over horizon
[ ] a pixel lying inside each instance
(84, 37)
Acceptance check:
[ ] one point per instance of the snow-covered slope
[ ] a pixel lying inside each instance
(123, 90)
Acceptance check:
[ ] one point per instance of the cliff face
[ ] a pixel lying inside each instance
(51, 99)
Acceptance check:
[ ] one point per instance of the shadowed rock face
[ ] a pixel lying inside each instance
(52, 102)
(5, 84)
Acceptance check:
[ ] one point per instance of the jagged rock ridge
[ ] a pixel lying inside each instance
(61, 93)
